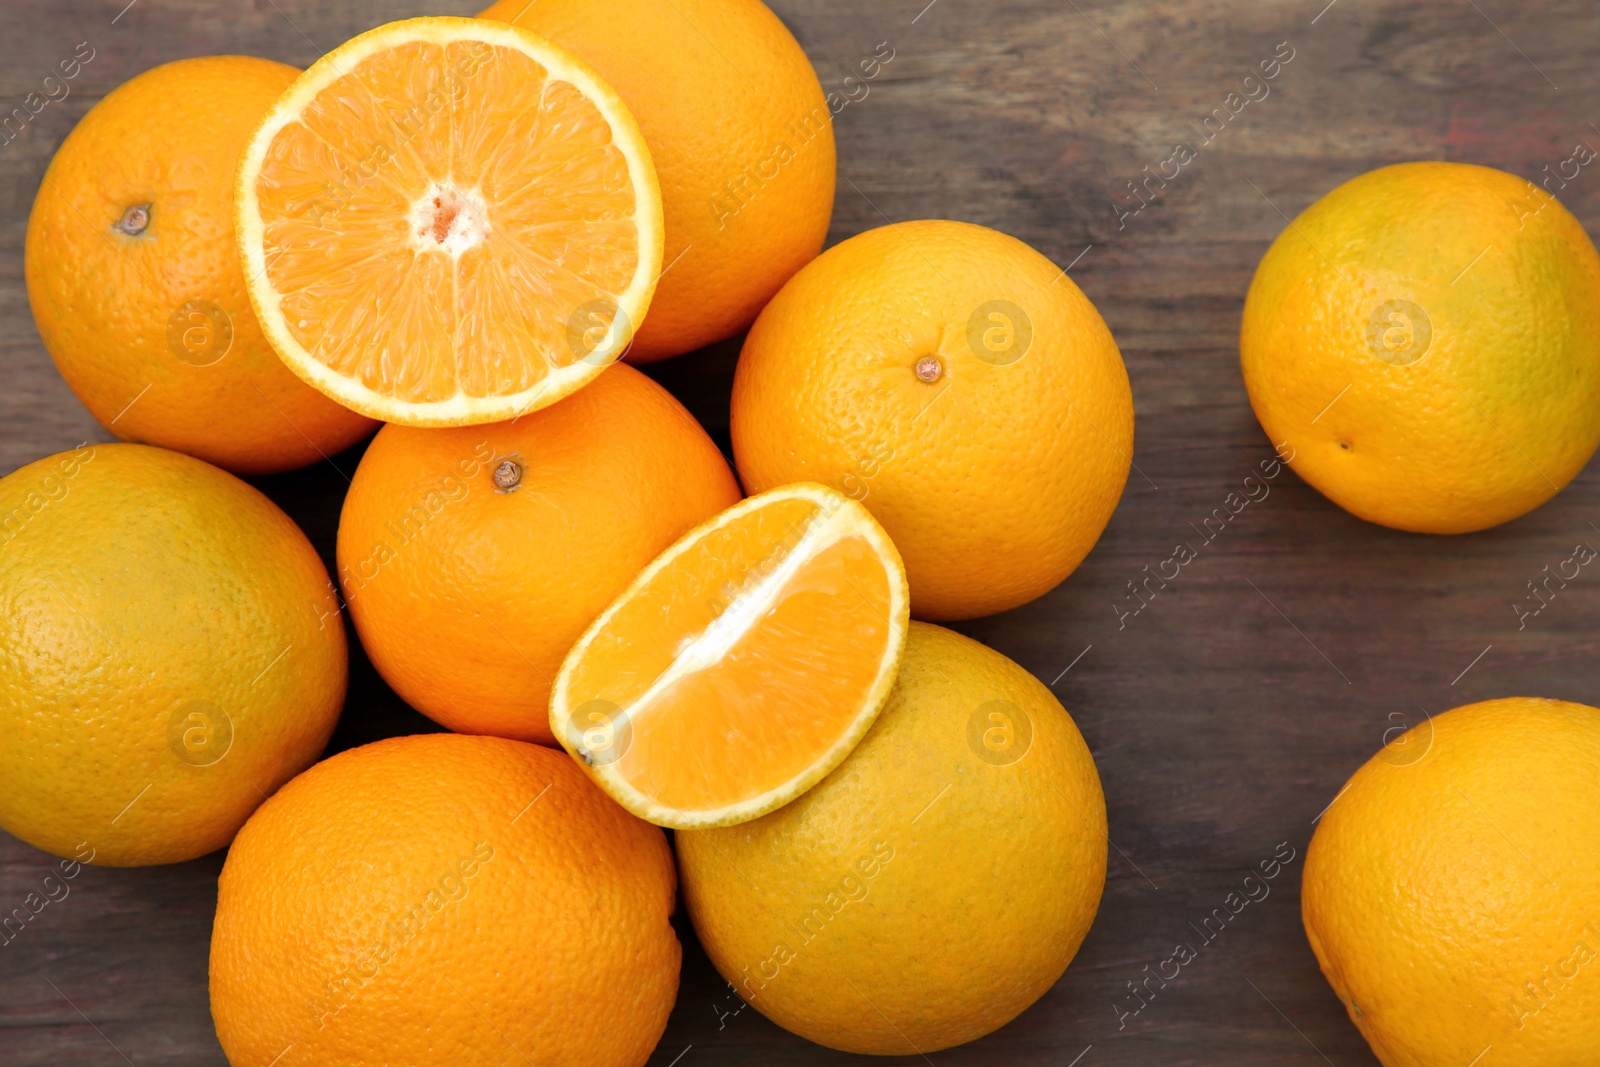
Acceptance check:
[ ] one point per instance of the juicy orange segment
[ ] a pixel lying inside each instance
(742, 665)
(449, 221)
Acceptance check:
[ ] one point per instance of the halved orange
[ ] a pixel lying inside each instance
(448, 221)
(742, 665)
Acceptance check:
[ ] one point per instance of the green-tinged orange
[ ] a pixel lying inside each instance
(171, 651)
(1423, 345)
(934, 885)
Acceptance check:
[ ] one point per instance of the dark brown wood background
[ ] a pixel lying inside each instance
(1227, 714)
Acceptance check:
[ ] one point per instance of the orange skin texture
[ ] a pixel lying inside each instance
(138, 588)
(430, 900)
(723, 94)
(1452, 891)
(994, 480)
(921, 895)
(1499, 409)
(105, 302)
(467, 598)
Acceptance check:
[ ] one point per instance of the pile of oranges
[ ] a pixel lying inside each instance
(459, 228)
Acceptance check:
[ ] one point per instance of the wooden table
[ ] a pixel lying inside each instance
(1228, 713)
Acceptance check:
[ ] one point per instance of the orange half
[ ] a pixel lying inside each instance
(448, 221)
(742, 665)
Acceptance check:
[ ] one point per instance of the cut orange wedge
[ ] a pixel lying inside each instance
(448, 221)
(742, 665)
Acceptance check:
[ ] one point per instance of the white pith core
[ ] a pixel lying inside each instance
(449, 220)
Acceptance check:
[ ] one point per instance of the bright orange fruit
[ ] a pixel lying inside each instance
(1452, 889)
(742, 138)
(742, 665)
(472, 558)
(136, 285)
(438, 901)
(958, 384)
(449, 221)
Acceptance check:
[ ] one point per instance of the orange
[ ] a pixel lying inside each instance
(444, 900)
(135, 279)
(1452, 889)
(959, 385)
(170, 653)
(742, 665)
(472, 558)
(448, 221)
(934, 885)
(1423, 344)
(742, 138)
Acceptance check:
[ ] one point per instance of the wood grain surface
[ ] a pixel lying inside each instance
(1226, 715)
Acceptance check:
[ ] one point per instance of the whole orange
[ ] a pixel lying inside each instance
(170, 653)
(1452, 889)
(958, 384)
(931, 887)
(742, 138)
(1424, 343)
(136, 283)
(473, 557)
(444, 900)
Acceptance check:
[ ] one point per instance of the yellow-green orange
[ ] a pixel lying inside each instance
(171, 652)
(1452, 890)
(1424, 344)
(934, 885)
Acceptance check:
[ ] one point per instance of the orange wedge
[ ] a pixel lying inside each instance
(449, 221)
(742, 665)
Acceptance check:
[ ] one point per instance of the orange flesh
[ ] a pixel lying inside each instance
(790, 683)
(439, 215)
